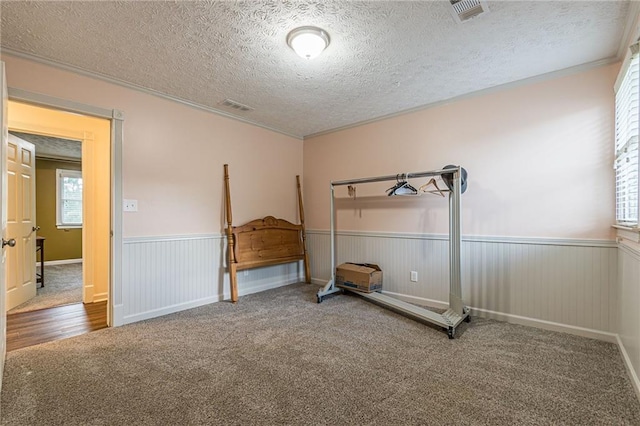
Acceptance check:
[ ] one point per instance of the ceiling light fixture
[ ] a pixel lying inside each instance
(308, 42)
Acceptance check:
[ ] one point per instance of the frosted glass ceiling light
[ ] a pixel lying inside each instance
(308, 42)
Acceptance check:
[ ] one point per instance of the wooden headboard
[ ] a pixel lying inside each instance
(263, 242)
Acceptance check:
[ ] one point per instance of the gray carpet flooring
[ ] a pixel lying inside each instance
(277, 357)
(62, 286)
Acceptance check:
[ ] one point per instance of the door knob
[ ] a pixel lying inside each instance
(10, 243)
(35, 228)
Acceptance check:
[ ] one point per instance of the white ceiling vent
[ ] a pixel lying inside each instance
(463, 10)
(236, 105)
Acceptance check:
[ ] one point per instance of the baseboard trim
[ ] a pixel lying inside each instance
(264, 287)
(418, 300)
(631, 372)
(169, 309)
(604, 336)
(509, 318)
(515, 319)
(318, 281)
(118, 316)
(87, 293)
(100, 297)
(61, 262)
(195, 303)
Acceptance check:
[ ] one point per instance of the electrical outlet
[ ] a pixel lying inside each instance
(414, 276)
(246, 273)
(130, 205)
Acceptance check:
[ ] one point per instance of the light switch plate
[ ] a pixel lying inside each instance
(130, 205)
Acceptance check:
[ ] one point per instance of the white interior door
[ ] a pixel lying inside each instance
(21, 202)
(3, 215)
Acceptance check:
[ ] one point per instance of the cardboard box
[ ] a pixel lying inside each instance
(365, 277)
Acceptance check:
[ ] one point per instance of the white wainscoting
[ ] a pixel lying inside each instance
(629, 311)
(564, 285)
(584, 287)
(162, 275)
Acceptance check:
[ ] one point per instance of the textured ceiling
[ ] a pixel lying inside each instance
(50, 147)
(385, 56)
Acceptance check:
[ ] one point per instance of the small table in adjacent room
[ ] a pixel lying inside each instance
(40, 248)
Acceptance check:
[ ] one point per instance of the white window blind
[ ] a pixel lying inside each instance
(626, 142)
(69, 198)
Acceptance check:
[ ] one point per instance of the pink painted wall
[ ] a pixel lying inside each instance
(539, 159)
(173, 156)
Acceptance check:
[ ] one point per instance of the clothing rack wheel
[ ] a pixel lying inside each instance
(451, 332)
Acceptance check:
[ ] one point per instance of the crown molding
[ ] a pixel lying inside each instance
(631, 29)
(500, 88)
(122, 83)
(531, 80)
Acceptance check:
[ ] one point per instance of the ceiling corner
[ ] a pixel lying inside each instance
(631, 31)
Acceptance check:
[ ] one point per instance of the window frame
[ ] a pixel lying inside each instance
(631, 64)
(60, 174)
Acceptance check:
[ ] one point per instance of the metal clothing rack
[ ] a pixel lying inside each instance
(457, 312)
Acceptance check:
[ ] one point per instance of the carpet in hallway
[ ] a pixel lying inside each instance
(62, 286)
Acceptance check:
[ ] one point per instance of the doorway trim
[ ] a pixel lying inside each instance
(116, 117)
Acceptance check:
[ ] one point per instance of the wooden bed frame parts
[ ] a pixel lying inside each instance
(263, 242)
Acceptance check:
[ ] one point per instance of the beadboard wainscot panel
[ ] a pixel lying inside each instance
(162, 275)
(629, 312)
(557, 284)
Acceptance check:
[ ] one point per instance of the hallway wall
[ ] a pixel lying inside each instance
(60, 244)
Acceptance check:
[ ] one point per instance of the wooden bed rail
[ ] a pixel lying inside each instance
(307, 271)
(232, 259)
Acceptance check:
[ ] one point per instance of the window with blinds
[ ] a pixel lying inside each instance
(69, 198)
(626, 142)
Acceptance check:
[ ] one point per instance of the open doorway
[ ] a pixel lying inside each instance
(70, 236)
(58, 221)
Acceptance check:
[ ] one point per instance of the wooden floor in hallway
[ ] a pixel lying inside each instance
(46, 325)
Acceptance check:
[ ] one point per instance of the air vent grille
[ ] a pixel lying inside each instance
(463, 10)
(236, 105)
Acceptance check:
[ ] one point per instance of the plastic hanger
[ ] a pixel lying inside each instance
(402, 187)
(406, 189)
